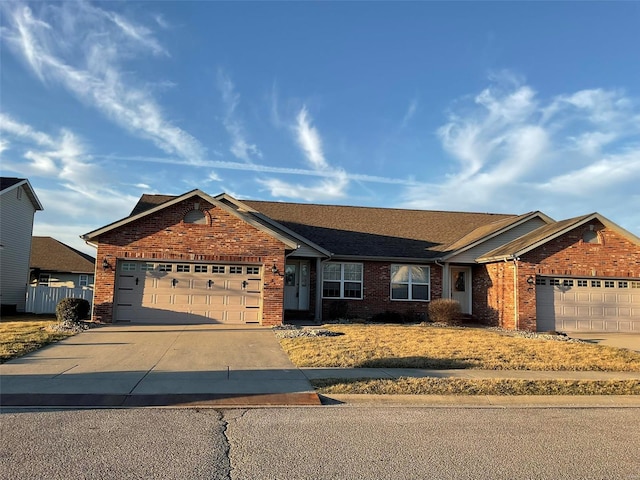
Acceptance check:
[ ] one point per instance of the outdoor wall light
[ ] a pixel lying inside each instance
(275, 270)
(105, 264)
(530, 280)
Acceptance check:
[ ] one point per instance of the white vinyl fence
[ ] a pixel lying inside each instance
(42, 299)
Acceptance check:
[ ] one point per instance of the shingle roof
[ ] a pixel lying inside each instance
(370, 231)
(538, 235)
(6, 182)
(48, 254)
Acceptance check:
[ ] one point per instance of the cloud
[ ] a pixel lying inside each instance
(309, 140)
(240, 147)
(329, 189)
(54, 43)
(411, 111)
(514, 151)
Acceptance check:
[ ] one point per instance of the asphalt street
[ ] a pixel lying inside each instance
(330, 442)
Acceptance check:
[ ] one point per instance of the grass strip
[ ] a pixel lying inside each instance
(458, 386)
(21, 337)
(415, 346)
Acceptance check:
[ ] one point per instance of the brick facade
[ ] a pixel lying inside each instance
(568, 255)
(377, 294)
(164, 236)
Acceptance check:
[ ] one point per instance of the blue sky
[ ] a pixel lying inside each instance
(501, 107)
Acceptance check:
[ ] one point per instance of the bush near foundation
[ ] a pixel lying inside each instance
(72, 310)
(445, 310)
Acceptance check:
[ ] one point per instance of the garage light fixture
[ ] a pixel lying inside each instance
(275, 270)
(105, 264)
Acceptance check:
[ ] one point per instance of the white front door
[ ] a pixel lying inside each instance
(460, 283)
(296, 285)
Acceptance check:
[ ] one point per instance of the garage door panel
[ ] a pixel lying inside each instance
(596, 305)
(185, 293)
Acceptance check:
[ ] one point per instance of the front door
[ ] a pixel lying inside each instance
(460, 283)
(296, 285)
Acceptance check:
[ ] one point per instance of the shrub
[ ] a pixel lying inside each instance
(72, 310)
(338, 310)
(445, 310)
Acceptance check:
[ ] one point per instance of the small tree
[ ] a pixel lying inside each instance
(72, 310)
(445, 310)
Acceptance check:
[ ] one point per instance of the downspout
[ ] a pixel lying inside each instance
(446, 288)
(516, 316)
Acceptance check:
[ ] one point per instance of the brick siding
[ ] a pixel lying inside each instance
(163, 236)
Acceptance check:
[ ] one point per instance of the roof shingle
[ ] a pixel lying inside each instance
(48, 254)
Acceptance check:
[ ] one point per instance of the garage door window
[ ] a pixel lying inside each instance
(165, 267)
(183, 268)
(145, 267)
(253, 270)
(128, 267)
(595, 283)
(235, 270)
(217, 269)
(200, 268)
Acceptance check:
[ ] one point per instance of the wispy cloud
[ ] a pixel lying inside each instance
(308, 139)
(411, 111)
(240, 147)
(515, 151)
(52, 41)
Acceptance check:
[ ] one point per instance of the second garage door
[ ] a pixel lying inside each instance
(181, 293)
(587, 305)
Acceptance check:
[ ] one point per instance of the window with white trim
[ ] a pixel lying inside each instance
(235, 270)
(44, 279)
(200, 268)
(147, 267)
(83, 281)
(253, 270)
(165, 267)
(342, 280)
(183, 268)
(410, 282)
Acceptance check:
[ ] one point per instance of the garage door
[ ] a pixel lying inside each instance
(182, 293)
(587, 305)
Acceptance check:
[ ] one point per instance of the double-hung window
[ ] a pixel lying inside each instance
(342, 280)
(83, 281)
(410, 282)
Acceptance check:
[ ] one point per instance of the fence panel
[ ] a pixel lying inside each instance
(43, 299)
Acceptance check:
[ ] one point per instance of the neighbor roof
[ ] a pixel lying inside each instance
(49, 254)
(9, 183)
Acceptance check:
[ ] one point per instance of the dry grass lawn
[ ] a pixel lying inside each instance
(22, 334)
(457, 386)
(415, 346)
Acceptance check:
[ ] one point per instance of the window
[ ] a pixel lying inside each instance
(235, 270)
(200, 268)
(623, 284)
(44, 279)
(590, 236)
(195, 216)
(217, 269)
(582, 283)
(145, 267)
(165, 267)
(183, 268)
(83, 281)
(128, 267)
(567, 283)
(609, 284)
(635, 284)
(342, 280)
(596, 283)
(554, 281)
(541, 281)
(409, 282)
(253, 270)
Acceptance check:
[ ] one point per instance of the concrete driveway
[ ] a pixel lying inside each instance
(630, 341)
(157, 365)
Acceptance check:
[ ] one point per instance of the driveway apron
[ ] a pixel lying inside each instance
(157, 365)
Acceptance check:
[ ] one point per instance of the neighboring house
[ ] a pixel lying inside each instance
(196, 258)
(18, 204)
(54, 264)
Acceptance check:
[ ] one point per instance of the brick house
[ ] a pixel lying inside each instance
(198, 258)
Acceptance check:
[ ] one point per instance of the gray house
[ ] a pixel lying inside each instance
(18, 204)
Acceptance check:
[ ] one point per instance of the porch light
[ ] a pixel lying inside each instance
(530, 280)
(275, 270)
(105, 264)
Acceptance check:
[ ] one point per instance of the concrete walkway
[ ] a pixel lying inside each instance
(157, 365)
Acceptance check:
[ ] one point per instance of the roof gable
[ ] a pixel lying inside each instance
(149, 204)
(547, 233)
(8, 184)
(52, 255)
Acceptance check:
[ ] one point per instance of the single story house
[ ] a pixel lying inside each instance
(199, 258)
(18, 205)
(55, 264)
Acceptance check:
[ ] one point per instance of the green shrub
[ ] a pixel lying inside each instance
(445, 310)
(72, 310)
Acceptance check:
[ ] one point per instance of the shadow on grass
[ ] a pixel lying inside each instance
(418, 362)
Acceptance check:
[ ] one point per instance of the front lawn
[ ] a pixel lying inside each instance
(418, 346)
(22, 334)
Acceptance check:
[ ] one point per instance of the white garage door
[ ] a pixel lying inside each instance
(587, 305)
(182, 293)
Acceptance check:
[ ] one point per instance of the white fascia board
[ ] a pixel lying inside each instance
(31, 193)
